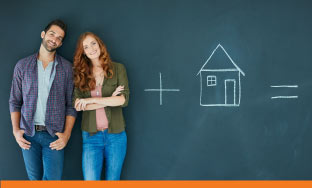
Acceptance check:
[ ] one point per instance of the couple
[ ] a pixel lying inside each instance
(46, 92)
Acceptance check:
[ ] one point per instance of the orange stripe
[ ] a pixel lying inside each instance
(156, 184)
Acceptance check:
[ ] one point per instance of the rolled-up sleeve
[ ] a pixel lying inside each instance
(16, 95)
(123, 81)
(70, 110)
(77, 95)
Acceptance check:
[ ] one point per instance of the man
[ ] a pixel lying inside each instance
(41, 108)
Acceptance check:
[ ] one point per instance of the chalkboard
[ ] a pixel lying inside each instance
(219, 90)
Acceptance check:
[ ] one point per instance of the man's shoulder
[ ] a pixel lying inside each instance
(63, 59)
(22, 63)
(27, 59)
(65, 63)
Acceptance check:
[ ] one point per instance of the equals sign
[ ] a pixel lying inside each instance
(285, 97)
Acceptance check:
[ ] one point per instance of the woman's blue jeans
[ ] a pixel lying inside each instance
(99, 147)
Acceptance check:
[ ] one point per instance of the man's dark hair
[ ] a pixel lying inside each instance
(57, 22)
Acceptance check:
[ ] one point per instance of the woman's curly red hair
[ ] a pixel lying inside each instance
(83, 76)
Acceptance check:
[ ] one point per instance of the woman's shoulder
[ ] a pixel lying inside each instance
(118, 66)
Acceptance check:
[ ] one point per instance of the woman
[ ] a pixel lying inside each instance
(97, 95)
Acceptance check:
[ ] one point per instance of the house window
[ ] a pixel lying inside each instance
(211, 80)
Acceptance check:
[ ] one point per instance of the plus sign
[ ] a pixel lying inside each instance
(161, 90)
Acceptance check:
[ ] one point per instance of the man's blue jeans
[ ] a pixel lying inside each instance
(41, 162)
(100, 146)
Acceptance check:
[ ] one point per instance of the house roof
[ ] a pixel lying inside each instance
(231, 60)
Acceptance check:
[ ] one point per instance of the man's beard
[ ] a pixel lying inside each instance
(47, 47)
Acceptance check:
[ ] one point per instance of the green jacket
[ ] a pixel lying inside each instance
(116, 122)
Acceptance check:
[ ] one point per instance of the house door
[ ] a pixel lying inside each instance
(230, 85)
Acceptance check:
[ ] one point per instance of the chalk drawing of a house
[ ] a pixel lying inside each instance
(220, 80)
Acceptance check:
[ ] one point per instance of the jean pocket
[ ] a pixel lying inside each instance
(117, 137)
(85, 135)
(26, 137)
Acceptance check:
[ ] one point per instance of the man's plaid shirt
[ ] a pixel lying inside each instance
(24, 94)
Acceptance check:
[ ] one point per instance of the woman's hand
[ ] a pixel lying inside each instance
(77, 105)
(80, 104)
(118, 90)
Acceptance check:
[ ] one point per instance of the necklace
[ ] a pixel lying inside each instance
(97, 92)
(99, 82)
(98, 86)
